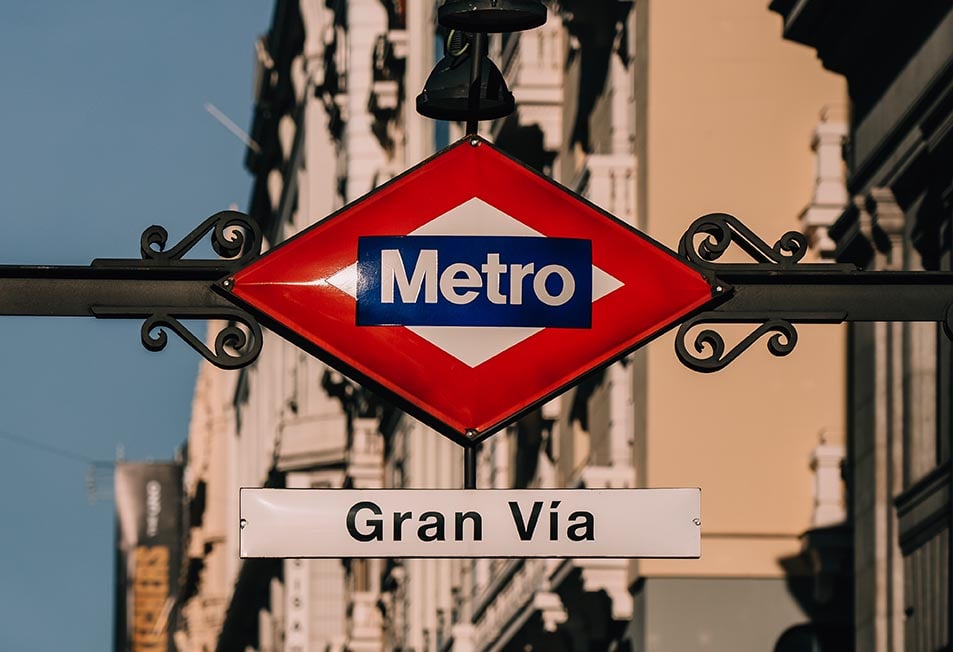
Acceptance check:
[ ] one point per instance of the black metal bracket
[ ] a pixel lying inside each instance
(775, 292)
(778, 290)
(163, 287)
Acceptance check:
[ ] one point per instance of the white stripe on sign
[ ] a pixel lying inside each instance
(422, 523)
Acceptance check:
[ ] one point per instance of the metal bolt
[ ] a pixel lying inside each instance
(719, 289)
(475, 142)
(242, 523)
(228, 283)
(697, 521)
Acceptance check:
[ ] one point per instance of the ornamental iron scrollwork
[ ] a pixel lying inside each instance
(753, 284)
(719, 230)
(709, 352)
(234, 236)
(235, 347)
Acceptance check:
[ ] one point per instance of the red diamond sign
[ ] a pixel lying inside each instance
(470, 289)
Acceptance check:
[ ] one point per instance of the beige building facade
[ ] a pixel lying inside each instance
(898, 67)
(658, 112)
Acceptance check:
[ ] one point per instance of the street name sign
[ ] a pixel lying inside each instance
(333, 523)
(470, 289)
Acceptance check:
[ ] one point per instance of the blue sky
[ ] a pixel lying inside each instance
(104, 133)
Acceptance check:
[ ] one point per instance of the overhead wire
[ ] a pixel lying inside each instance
(47, 448)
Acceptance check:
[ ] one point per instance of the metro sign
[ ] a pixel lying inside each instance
(470, 289)
(557, 281)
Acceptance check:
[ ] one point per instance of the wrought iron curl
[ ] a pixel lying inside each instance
(791, 247)
(234, 236)
(781, 343)
(720, 230)
(235, 347)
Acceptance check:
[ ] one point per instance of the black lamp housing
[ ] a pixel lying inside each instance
(446, 95)
(492, 15)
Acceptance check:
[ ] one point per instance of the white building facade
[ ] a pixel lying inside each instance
(335, 116)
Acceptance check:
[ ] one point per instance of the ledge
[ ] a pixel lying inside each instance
(923, 510)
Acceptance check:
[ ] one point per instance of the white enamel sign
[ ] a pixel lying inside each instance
(470, 523)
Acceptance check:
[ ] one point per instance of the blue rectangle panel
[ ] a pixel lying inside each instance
(474, 281)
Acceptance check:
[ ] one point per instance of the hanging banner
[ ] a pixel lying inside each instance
(470, 523)
(148, 528)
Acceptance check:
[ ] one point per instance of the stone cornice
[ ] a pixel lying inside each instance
(924, 509)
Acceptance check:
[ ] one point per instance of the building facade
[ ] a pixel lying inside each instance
(658, 112)
(898, 66)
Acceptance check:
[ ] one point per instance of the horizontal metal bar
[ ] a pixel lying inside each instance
(802, 294)
(75, 291)
(808, 295)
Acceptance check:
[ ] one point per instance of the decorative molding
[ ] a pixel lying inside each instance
(385, 96)
(365, 462)
(829, 196)
(551, 610)
(365, 624)
(297, 606)
(312, 441)
(611, 576)
(532, 62)
(826, 462)
(508, 604)
(924, 509)
(612, 183)
(889, 220)
(608, 575)
(463, 638)
(607, 477)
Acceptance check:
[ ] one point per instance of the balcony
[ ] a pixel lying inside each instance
(311, 441)
(389, 57)
(519, 592)
(532, 64)
(610, 184)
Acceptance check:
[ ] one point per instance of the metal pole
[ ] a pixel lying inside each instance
(470, 466)
(135, 288)
(163, 294)
(476, 73)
